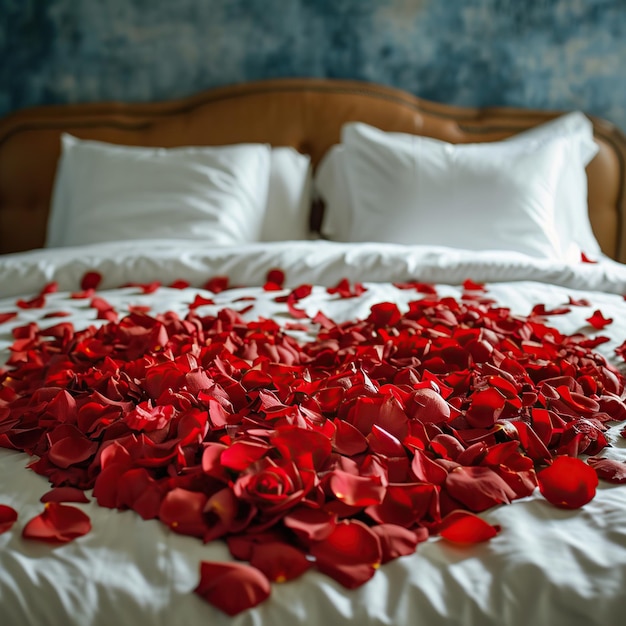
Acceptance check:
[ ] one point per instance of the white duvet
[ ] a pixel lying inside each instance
(547, 566)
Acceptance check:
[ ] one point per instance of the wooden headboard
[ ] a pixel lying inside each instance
(304, 113)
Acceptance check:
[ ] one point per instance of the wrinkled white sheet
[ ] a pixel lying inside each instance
(547, 567)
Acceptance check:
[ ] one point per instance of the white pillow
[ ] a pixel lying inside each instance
(106, 192)
(415, 190)
(571, 211)
(289, 199)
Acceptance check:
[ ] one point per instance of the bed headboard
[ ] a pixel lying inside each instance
(304, 113)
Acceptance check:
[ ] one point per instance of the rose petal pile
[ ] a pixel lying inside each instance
(339, 454)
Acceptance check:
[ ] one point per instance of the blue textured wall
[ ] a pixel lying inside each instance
(561, 54)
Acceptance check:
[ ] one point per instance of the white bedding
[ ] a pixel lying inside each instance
(547, 566)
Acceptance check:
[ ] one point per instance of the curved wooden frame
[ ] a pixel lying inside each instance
(304, 113)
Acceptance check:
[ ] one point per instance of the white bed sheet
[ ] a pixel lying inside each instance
(547, 566)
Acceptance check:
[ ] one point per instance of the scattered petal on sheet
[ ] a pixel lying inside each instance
(351, 554)
(425, 288)
(106, 311)
(466, 528)
(199, 301)
(8, 517)
(51, 287)
(183, 511)
(585, 259)
(310, 524)
(147, 288)
(609, 469)
(65, 494)
(274, 280)
(34, 303)
(72, 449)
(54, 314)
(478, 488)
(397, 541)
(232, 587)
(279, 561)
(7, 317)
(578, 302)
(598, 321)
(470, 285)
(568, 482)
(217, 284)
(344, 290)
(58, 523)
(541, 310)
(179, 284)
(90, 280)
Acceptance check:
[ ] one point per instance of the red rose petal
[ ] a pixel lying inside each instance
(72, 450)
(232, 587)
(351, 554)
(199, 301)
(470, 285)
(609, 469)
(7, 317)
(182, 510)
(90, 280)
(34, 303)
(65, 494)
(217, 284)
(396, 541)
(568, 482)
(466, 528)
(58, 523)
(478, 488)
(8, 517)
(179, 284)
(310, 524)
(279, 561)
(275, 280)
(598, 321)
(357, 490)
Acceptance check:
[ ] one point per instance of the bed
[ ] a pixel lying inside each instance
(311, 352)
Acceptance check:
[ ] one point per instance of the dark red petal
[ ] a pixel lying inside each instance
(8, 517)
(200, 301)
(58, 523)
(276, 277)
(182, 510)
(470, 285)
(138, 491)
(7, 317)
(395, 541)
(310, 524)
(478, 488)
(232, 587)
(179, 284)
(568, 483)
(71, 450)
(598, 321)
(466, 527)
(217, 284)
(357, 490)
(351, 554)
(384, 314)
(65, 494)
(279, 561)
(609, 469)
(90, 280)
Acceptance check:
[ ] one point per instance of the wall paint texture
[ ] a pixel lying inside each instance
(552, 54)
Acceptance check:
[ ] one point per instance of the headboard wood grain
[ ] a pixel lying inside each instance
(306, 114)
